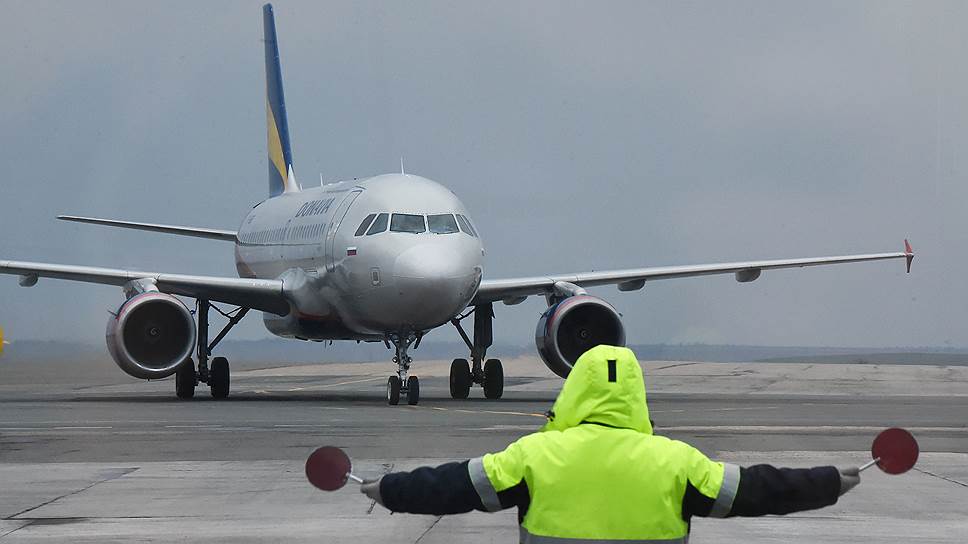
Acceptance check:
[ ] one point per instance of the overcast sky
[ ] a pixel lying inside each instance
(581, 135)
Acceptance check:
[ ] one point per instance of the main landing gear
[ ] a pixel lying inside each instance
(217, 377)
(401, 383)
(490, 375)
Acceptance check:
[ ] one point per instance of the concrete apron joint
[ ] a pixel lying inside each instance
(945, 478)
(15, 529)
(432, 525)
(114, 476)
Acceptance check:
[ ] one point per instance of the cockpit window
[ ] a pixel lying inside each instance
(465, 226)
(364, 224)
(442, 224)
(404, 222)
(379, 224)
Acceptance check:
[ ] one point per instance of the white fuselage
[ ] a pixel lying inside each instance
(367, 286)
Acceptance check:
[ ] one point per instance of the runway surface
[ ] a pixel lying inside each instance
(98, 457)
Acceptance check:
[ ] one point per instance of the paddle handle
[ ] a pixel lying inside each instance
(869, 465)
(354, 477)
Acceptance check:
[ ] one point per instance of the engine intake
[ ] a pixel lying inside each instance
(151, 335)
(573, 326)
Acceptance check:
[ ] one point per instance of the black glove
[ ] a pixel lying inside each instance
(371, 488)
(849, 477)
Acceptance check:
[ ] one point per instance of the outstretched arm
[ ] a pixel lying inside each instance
(765, 489)
(490, 483)
(446, 489)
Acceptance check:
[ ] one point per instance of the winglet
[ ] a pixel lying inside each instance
(909, 254)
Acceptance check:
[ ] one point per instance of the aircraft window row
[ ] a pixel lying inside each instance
(275, 236)
(265, 236)
(444, 223)
(307, 231)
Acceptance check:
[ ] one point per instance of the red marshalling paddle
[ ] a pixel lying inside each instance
(328, 468)
(895, 451)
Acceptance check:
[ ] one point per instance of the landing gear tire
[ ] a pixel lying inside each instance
(185, 380)
(493, 379)
(460, 379)
(393, 390)
(413, 390)
(218, 378)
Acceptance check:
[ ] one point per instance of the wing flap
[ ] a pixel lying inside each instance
(260, 294)
(211, 234)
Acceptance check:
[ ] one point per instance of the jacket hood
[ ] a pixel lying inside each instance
(605, 386)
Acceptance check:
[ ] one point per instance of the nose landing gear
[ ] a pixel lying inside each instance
(402, 383)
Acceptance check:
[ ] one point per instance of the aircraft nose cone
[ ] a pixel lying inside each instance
(434, 282)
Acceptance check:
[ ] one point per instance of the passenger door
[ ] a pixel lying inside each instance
(334, 224)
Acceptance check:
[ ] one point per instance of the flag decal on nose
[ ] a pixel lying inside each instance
(351, 251)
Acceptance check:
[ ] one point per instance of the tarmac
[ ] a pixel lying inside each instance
(98, 457)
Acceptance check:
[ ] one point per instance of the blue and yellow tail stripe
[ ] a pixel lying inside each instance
(277, 124)
(277, 157)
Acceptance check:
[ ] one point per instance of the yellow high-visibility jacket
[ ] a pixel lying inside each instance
(596, 472)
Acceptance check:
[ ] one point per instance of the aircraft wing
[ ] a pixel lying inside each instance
(212, 234)
(266, 295)
(515, 290)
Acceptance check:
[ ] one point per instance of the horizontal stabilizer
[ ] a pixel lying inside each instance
(212, 234)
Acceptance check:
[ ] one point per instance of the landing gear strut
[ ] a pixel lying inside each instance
(402, 383)
(489, 373)
(217, 378)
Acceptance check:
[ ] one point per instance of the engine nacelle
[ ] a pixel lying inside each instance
(151, 335)
(573, 326)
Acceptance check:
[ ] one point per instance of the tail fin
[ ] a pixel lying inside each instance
(281, 178)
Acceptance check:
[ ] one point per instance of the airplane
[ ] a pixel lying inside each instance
(383, 259)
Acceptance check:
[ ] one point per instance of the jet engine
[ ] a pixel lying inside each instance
(151, 335)
(573, 326)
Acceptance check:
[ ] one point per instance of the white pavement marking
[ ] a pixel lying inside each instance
(501, 428)
(805, 428)
(761, 429)
(327, 385)
(300, 425)
(80, 427)
(193, 426)
(465, 411)
(740, 409)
